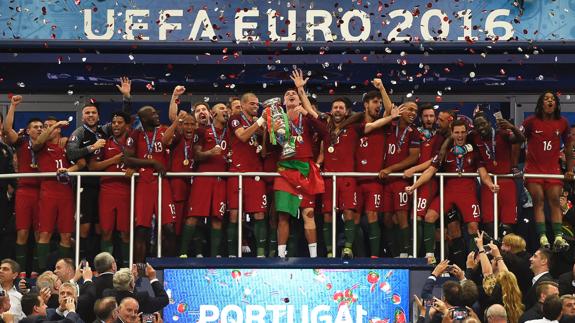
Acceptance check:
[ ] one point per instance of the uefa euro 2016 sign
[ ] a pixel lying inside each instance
(287, 295)
(277, 22)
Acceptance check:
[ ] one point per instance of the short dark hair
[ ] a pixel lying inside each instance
(371, 95)
(426, 106)
(13, 264)
(542, 286)
(547, 254)
(459, 122)
(28, 302)
(122, 115)
(68, 262)
(91, 104)
(34, 119)
(51, 118)
(452, 293)
(452, 113)
(104, 307)
(552, 307)
(469, 292)
(345, 101)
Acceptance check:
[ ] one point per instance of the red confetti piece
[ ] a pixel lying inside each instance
(331, 91)
(44, 11)
(502, 71)
(177, 101)
(77, 2)
(378, 75)
(364, 58)
(10, 95)
(92, 100)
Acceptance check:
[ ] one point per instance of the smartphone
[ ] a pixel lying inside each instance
(428, 302)
(141, 269)
(147, 318)
(498, 115)
(2, 293)
(459, 313)
(487, 248)
(82, 263)
(450, 268)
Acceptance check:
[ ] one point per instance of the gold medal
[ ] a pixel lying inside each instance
(149, 156)
(495, 163)
(258, 149)
(299, 139)
(330, 149)
(33, 166)
(186, 162)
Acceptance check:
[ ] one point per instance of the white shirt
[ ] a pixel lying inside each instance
(543, 320)
(537, 277)
(15, 306)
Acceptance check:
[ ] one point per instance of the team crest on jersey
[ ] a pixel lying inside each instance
(73, 138)
(235, 123)
(557, 132)
(196, 138)
(129, 141)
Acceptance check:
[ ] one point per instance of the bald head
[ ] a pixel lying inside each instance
(128, 310)
(496, 314)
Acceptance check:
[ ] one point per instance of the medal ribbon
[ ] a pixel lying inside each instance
(400, 140)
(299, 129)
(32, 153)
(148, 144)
(459, 153)
(218, 139)
(255, 139)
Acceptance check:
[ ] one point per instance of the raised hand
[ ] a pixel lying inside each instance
(298, 79)
(15, 100)
(179, 90)
(100, 143)
(125, 86)
(409, 189)
(378, 84)
(396, 111)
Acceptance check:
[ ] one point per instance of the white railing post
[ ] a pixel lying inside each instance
(159, 216)
(441, 220)
(132, 212)
(414, 222)
(78, 205)
(333, 216)
(240, 213)
(495, 212)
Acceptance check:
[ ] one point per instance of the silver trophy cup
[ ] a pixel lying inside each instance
(278, 116)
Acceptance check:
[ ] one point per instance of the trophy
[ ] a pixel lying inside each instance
(276, 114)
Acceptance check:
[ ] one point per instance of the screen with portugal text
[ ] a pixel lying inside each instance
(287, 295)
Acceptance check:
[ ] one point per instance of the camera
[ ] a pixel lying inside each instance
(459, 313)
(141, 267)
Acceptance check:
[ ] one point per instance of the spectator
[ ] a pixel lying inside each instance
(451, 299)
(539, 265)
(5, 315)
(551, 310)
(567, 282)
(106, 309)
(128, 310)
(469, 292)
(124, 283)
(517, 260)
(496, 314)
(48, 285)
(105, 265)
(568, 302)
(544, 290)
(67, 300)
(37, 311)
(65, 270)
(9, 270)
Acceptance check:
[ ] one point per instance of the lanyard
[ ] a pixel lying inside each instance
(32, 153)
(459, 153)
(491, 151)
(254, 138)
(402, 138)
(299, 128)
(148, 144)
(91, 131)
(186, 149)
(118, 144)
(426, 133)
(218, 139)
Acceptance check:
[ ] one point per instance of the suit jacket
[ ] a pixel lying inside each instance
(531, 298)
(103, 282)
(519, 265)
(566, 283)
(42, 319)
(534, 313)
(148, 304)
(86, 300)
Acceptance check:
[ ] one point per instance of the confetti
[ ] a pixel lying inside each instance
(21, 84)
(472, 74)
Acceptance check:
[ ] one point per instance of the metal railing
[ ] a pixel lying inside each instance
(240, 176)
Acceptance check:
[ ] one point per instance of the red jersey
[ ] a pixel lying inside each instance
(25, 156)
(112, 148)
(312, 132)
(244, 155)
(399, 141)
(369, 157)
(51, 158)
(181, 150)
(544, 144)
(468, 163)
(339, 156)
(495, 152)
(429, 147)
(149, 143)
(208, 138)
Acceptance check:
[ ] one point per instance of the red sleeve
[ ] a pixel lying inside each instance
(526, 126)
(437, 143)
(566, 134)
(479, 162)
(414, 138)
(234, 123)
